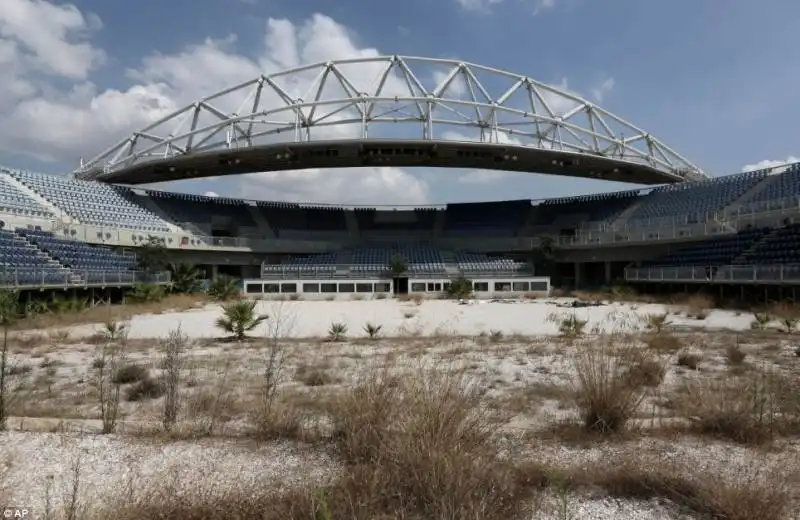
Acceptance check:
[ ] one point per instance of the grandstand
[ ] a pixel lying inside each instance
(60, 231)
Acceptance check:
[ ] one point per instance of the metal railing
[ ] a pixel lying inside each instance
(15, 277)
(726, 274)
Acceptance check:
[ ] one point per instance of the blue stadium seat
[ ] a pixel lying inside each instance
(93, 203)
(717, 251)
(495, 219)
(22, 263)
(573, 211)
(695, 201)
(92, 264)
(201, 209)
(16, 202)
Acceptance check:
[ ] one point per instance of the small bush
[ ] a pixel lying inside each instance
(495, 336)
(459, 289)
(664, 342)
(373, 331)
(126, 374)
(337, 331)
(147, 293)
(421, 448)
(751, 408)
(646, 372)
(656, 322)
(761, 320)
(224, 288)
(735, 356)
(698, 306)
(240, 317)
(569, 326)
(147, 388)
(603, 390)
(690, 361)
(312, 376)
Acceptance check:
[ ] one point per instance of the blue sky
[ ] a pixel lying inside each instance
(715, 80)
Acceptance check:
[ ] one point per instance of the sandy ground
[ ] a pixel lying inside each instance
(521, 369)
(309, 319)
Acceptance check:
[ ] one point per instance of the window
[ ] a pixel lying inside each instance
(502, 286)
(538, 286)
(418, 287)
(271, 288)
(288, 287)
(347, 287)
(254, 288)
(382, 287)
(481, 286)
(522, 286)
(328, 287)
(363, 287)
(310, 287)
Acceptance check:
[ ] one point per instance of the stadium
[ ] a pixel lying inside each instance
(733, 235)
(621, 355)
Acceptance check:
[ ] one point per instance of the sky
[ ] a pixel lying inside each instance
(716, 81)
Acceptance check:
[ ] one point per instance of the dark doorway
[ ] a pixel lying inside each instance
(400, 285)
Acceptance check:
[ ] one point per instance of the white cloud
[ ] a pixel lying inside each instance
(599, 92)
(477, 5)
(483, 176)
(356, 186)
(44, 46)
(486, 5)
(767, 163)
(50, 38)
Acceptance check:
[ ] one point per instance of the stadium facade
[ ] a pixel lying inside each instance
(737, 234)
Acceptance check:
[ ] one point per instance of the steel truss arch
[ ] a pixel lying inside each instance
(418, 99)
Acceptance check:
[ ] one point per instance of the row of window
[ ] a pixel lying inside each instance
(386, 287)
(326, 287)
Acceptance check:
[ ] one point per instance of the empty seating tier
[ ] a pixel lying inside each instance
(694, 202)
(22, 263)
(573, 211)
(15, 201)
(716, 251)
(480, 263)
(781, 246)
(92, 203)
(777, 187)
(498, 219)
(419, 259)
(201, 209)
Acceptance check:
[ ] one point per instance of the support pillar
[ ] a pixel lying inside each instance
(214, 271)
(578, 275)
(607, 278)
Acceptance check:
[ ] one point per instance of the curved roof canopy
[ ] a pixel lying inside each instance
(432, 104)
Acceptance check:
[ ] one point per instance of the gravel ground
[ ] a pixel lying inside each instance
(108, 464)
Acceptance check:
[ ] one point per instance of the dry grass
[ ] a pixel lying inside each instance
(413, 443)
(605, 392)
(735, 356)
(105, 313)
(311, 375)
(755, 492)
(751, 408)
(688, 360)
(698, 306)
(664, 342)
(417, 447)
